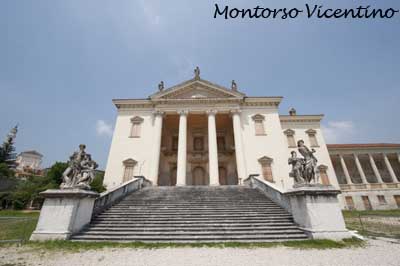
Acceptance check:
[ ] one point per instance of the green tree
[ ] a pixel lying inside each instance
(97, 183)
(7, 150)
(56, 171)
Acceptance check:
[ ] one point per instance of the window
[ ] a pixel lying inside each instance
(367, 203)
(136, 126)
(382, 200)
(259, 124)
(290, 138)
(312, 136)
(266, 168)
(198, 143)
(323, 175)
(349, 202)
(129, 166)
(175, 141)
(397, 199)
(221, 143)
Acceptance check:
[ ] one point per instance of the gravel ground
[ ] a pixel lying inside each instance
(377, 252)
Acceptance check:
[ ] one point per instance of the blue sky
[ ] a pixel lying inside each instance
(61, 63)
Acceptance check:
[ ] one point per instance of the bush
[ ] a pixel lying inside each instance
(56, 171)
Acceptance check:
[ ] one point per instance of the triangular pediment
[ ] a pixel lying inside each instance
(197, 89)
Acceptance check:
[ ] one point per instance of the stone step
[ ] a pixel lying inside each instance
(185, 239)
(189, 229)
(190, 212)
(189, 224)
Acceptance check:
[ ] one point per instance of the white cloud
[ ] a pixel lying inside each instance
(338, 131)
(151, 10)
(103, 129)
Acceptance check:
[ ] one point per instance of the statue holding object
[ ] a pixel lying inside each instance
(80, 172)
(303, 169)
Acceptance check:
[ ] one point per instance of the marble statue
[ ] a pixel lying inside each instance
(80, 172)
(197, 73)
(303, 169)
(234, 86)
(161, 86)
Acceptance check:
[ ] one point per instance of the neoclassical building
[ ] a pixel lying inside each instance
(368, 174)
(201, 133)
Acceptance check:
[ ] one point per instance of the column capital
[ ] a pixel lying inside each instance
(235, 111)
(183, 112)
(158, 113)
(211, 112)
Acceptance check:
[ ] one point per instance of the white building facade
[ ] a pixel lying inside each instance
(200, 133)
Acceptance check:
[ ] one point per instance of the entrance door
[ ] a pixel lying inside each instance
(172, 178)
(198, 175)
(223, 179)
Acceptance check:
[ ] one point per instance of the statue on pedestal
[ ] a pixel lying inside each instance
(303, 169)
(80, 172)
(197, 73)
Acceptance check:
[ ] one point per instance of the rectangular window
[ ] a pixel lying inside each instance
(135, 130)
(349, 202)
(313, 140)
(291, 141)
(128, 173)
(267, 172)
(198, 143)
(221, 143)
(382, 200)
(397, 199)
(175, 143)
(367, 203)
(324, 177)
(259, 127)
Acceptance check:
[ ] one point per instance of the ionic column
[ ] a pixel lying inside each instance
(389, 167)
(182, 139)
(158, 120)
(346, 172)
(376, 171)
(237, 132)
(360, 170)
(212, 149)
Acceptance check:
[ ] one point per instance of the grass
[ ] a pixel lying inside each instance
(383, 213)
(374, 223)
(81, 246)
(17, 225)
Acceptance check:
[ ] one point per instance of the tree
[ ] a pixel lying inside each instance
(97, 183)
(56, 171)
(7, 150)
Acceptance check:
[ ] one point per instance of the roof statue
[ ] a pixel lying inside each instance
(234, 86)
(161, 86)
(197, 73)
(81, 170)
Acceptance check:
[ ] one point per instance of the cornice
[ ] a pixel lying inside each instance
(300, 118)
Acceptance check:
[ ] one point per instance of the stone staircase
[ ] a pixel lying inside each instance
(193, 214)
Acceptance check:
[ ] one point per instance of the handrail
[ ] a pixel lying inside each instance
(108, 198)
(273, 192)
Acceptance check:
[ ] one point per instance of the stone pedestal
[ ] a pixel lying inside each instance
(316, 209)
(64, 212)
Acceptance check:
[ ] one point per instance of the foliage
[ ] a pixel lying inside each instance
(97, 183)
(384, 213)
(5, 171)
(56, 171)
(7, 150)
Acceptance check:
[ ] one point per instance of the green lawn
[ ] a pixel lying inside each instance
(374, 222)
(17, 225)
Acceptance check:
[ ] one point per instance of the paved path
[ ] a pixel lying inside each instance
(377, 252)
